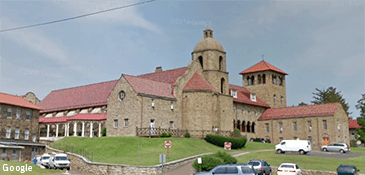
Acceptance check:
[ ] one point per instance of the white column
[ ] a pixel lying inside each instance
(47, 130)
(83, 129)
(57, 130)
(91, 129)
(75, 129)
(65, 134)
(99, 129)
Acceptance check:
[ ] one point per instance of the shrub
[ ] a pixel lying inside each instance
(353, 143)
(236, 142)
(71, 133)
(79, 133)
(227, 158)
(104, 131)
(187, 135)
(166, 135)
(237, 132)
(208, 163)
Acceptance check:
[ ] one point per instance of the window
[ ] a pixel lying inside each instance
(253, 97)
(259, 79)
(309, 123)
(243, 110)
(273, 79)
(263, 79)
(16, 136)
(232, 170)
(252, 80)
(153, 103)
(10, 111)
(294, 126)
(310, 139)
(324, 124)
(8, 131)
(281, 81)
(267, 126)
(122, 95)
(14, 151)
(171, 124)
(0, 111)
(281, 99)
(234, 109)
(249, 111)
(274, 99)
(27, 115)
(295, 138)
(222, 85)
(220, 63)
(248, 81)
(201, 61)
(125, 122)
(234, 93)
(221, 170)
(18, 113)
(26, 134)
(172, 106)
(280, 127)
(34, 137)
(4, 151)
(115, 123)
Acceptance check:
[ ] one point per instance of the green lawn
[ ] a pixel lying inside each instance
(360, 150)
(124, 150)
(304, 162)
(36, 170)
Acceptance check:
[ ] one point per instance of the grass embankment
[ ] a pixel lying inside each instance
(360, 150)
(36, 170)
(125, 150)
(304, 162)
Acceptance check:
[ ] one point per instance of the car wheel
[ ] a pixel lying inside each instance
(68, 168)
(325, 150)
(279, 151)
(301, 152)
(342, 151)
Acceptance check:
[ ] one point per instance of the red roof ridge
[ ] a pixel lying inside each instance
(84, 85)
(145, 79)
(262, 66)
(198, 82)
(23, 102)
(160, 71)
(308, 105)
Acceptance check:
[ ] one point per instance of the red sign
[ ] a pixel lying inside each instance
(227, 145)
(168, 144)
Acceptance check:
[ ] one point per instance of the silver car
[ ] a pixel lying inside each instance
(230, 169)
(337, 147)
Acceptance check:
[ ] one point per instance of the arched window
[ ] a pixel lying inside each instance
(234, 124)
(273, 79)
(222, 85)
(252, 80)
(201, 61)
(282, 99)
(274, 99)
(259, 79)
(263, 78)
(248, 126)
(239, 124)
(248, 81)
(253, 127)
(243, 126)
(220, 63)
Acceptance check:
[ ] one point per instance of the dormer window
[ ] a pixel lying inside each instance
(253, 97)
(122, 95)
(234, 93)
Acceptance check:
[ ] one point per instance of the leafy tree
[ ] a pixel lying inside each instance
(361, 105)
(361, 131)
(302, 104)
(330, 95)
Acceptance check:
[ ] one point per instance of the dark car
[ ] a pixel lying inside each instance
(347, 170)
(258, 140)
(260, 166)
(230, 169)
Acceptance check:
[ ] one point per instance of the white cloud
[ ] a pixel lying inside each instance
(125, 16)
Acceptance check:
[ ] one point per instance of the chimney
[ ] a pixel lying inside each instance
(158, 69)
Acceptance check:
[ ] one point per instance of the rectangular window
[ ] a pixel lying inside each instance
(310, 139)
(253, 97)
(26, 134)
(115, 123)
(309, 123)
(10, 111)
(125, 122)
(280, 127)
(34, 137)
(324, 124)
(267, 127)
(8, 131)
(234, 93)
(171, 124)
(18, 113)
(4, 151)
(16, 136)
(27, 115)
(294, 126)
(14, 151)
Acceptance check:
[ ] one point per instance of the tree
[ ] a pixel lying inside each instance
(361, 131)
(330, 95)
(302, 104)
(361, 105)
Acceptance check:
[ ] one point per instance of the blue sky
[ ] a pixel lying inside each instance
(318, 43)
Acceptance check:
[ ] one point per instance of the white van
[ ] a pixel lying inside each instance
(44, 160)
(301, 146)
(59, 161)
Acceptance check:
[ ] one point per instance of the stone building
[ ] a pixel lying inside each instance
(19, 128)
(353, 125)
(196, 97)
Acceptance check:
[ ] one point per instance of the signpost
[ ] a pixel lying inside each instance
(168, 145)
(227, 145)
(162, 160)
(200, 163)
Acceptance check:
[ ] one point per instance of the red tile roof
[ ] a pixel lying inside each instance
(53, 119)
(167, 76)
(150, 87)
(300, 111)
(89, 117)
(16, 101)
(78, 97)
(262, 66)
(197, 82)
(244, 96)
(353, 124)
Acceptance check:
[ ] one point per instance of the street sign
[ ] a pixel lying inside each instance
(227, 145)
(162, 158)
(168, 144)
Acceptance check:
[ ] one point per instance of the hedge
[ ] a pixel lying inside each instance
(236, 142)
(166, 135)
(208, 163)
(227, 158)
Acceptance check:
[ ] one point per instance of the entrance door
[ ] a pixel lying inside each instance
(152, 125)
(35, 151)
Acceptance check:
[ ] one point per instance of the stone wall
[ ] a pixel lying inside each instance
(83, 164)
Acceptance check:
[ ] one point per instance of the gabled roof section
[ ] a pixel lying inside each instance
(243, 96)
(78, 97)
(353, 124)
(197, 82)
(300, 111)
(167, 76)
(16, 101)
(150, 87)
(88, 116)
(262, 66)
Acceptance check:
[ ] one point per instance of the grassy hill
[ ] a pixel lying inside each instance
(36, 170)
(125, 150)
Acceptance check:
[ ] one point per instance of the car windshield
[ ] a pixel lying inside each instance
(287, 166)
(247, 169)
(61, 158)
(254, 163)
(347, 169)
(45, 158)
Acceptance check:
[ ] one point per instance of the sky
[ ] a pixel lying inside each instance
(318, 43)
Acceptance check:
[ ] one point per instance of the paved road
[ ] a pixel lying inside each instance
(335, 155)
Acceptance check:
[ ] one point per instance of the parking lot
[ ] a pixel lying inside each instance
(336, 155)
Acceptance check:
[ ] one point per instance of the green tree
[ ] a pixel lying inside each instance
(361, 131)
(361, 105)
(302, 104)
(330, 95)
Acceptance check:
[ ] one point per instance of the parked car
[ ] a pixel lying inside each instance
(260, 166)
(347, 170)
(338, 147)
(260, 140)
(59, 161)
(301, 146)
(239, 169)
(44, 160)
(289, 169)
